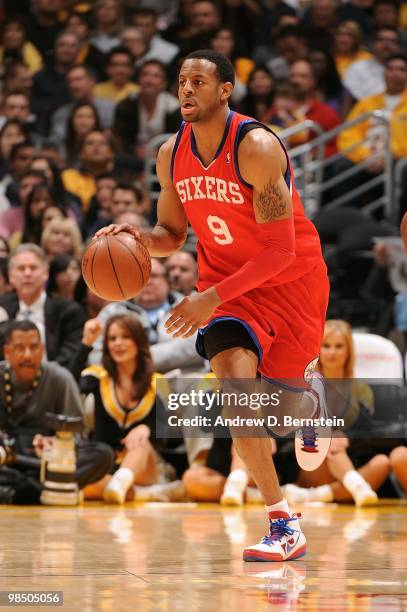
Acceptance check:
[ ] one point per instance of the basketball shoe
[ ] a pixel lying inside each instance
(284, 542)
(312, 442)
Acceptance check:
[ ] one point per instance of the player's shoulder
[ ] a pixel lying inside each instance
(167, 148)
(259, 141)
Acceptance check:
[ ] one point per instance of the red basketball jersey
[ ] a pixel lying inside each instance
(219, 206)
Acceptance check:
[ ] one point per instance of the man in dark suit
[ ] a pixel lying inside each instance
(60, 321)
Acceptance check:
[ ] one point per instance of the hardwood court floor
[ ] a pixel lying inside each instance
(187, 557)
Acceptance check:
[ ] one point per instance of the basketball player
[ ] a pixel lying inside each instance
(263, 287)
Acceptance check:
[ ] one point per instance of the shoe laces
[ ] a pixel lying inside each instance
(309, 439)
(280, 528)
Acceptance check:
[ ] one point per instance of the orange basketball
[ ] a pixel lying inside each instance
(403, 230)
(116, 267)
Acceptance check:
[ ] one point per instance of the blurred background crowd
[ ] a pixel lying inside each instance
(87, 91)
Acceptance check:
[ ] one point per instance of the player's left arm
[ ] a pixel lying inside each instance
(263, 164)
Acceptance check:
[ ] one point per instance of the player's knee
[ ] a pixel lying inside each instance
(381, 462)
(398, 457)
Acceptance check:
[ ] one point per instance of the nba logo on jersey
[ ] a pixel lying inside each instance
(228, 157)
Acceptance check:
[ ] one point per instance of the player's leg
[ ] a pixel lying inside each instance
(203, 484)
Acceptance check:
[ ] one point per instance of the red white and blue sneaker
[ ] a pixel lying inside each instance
(312, 442)
(284, 542)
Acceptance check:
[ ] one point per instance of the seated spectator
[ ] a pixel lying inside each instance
(4, 248)
(151, 306)
(119, 69)
(17, 77)
(125, 198)
(147, 113)
(146, 20)
(329, 85)
(30, 389)
(385, 14)
(260, 90)
(80, 86)
(303, 76)
(44, 25)
(286, 111)
(19, 161)
(12, 133)
(12, 219)
(182, 29)
(68, 202)
(370, 135)
(96, 157)
(182, 272)
(319, 22)
(223, 41)
(108, 21)
(366, 77)
(290, 46)
(134, 40)
(126, 404)
(398, 465)
(50, 88)
(90, 56)
(91, 303)
(348, 46)
(16, 106)
(15, 46)
(337, 479)
(100, 207)
(205, 18)
(64, 273)
(59, 321)
(82, 120)
(39, 199)
(62, 236)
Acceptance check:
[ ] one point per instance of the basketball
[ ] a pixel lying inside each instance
(403, 230)
(116, 267)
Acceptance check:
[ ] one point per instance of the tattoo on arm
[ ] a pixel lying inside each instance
(271, 203)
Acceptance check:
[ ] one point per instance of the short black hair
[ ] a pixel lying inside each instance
(396, 56)
(17, 147)
(24, 326)
(129, 187)
(119, 50)
(224, 67)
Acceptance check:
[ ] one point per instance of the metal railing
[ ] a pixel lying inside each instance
(317, 177)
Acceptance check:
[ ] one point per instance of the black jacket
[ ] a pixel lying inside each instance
(64, 320)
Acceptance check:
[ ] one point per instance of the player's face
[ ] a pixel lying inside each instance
(200, 91)
(120, 344)
(334, 351)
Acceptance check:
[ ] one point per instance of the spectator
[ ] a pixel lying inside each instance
(33, 389)
(16, 47)
(44, 25)
(60, 321)
(119, 69)
(50, 88)
(126, 419)
(17, 77)
(182, 30)
(337, 478)
(4, 248)
(12, 219)
(329, 85)
(260, 89)
(89, 55)
(62, 236)
(348, 46)
(156, 47)
(13, 132)
(398, 464)
(319, 22)
(96, 157)
(100, 207)
(133, 39)
(386, 14)
(108, 22)
(5, 286)
(80, 86)
(303, 76)
(19, 160)
(366, 77)
(64, 273)
(241, 17)
(39, 199)
(16, 105)
(151, 306)
(223, 41)
(149, 112)
(370, 135)
(286, 111)
(125, 198)
(67, 201)
(182, 272)
(91, 303)
(205, 18)
(290, 46)
(82, 120)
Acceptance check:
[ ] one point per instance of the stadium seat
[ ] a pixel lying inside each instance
(378, 358)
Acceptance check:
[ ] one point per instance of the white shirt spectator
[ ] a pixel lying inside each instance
(161, 50)
(34, 313)
(364, 78)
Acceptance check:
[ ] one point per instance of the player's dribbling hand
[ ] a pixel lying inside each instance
(192, 312)
(122, 227)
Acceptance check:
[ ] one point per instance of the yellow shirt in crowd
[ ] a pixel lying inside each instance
(109, 91)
